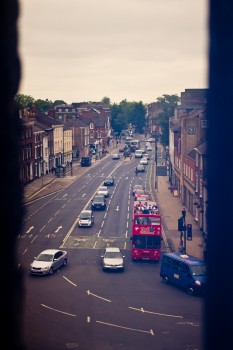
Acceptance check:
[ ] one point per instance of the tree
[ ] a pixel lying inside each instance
(24, 101)
(106, 101)
(168, 104)
(59, 102)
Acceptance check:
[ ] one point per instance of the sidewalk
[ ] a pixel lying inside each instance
(170, 206)
(171, 211)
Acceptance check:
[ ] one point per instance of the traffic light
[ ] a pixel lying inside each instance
(189, 232)
(181, 224)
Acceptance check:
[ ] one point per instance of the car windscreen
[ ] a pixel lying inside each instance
(199, 270)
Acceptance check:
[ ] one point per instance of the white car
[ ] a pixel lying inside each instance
(86, 218)
(103, 190)
(116, 156)
(48, 261)
(138, 153)
(149, 148)
(144, 161)
(113, 259)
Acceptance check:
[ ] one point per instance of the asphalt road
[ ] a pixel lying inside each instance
(82, 307)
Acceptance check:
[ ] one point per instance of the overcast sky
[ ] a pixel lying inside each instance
(138, 50)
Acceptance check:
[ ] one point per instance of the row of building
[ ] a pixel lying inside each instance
(187, 156)
(64, 134)
(71, 131)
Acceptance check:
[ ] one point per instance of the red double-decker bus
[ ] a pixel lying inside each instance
(146, 231)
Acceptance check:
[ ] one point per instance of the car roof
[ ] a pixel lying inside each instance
(112, 249)
(50, 251)
(191, 260)
(86, 211)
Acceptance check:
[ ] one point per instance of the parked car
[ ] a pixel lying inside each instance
(86, 218)
(109, 181)
(143, 161)
(103, 190)
(116, 156)
(48, 261)
(113, 259)
(98, 202)
(141, 168)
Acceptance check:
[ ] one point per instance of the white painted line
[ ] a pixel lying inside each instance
(62, 312)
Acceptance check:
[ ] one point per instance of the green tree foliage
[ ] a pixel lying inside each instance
(58, 103)
(168, 104)
(24, 101)
(106, 101)
(128, 112)
(43, 105)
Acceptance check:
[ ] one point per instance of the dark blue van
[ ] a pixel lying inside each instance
(184, 270)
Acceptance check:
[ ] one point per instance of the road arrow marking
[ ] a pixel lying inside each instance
(117, 208)
(130, 329)
(31, 228)
(59, 227)
(97, 296)
(154, 313)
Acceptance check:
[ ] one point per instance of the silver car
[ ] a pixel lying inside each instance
(113, 259)
(48, 261)
(86, 218)
(103, 190)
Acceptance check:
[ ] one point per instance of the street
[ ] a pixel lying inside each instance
(82, 307)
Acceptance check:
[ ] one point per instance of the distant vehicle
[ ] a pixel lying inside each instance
(146, 232)
(109, 181)
(137, 187)
(85, 161)
(98, 202)
(185, 271)
(113, 259)
(48, 261)
(127, 153)
(144, 161)
(138, 191)
(151, 139)
(149, 148)
(103, 190)
(146, 155)
(138, 153)
(134, 145)
(141, 197)
(121, 149)
(141, 168)
(116, 156)
(86, 218)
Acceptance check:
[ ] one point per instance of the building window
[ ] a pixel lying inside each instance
(204, 123)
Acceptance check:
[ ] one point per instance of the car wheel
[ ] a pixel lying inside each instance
(165, 279)
(65, 262)
(190, 290)
(51, 271)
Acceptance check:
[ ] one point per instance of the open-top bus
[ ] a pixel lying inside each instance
(146, 231)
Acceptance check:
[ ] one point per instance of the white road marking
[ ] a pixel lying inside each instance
(62, 312)
(130, 329)
(97, 296)
(154, 313)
